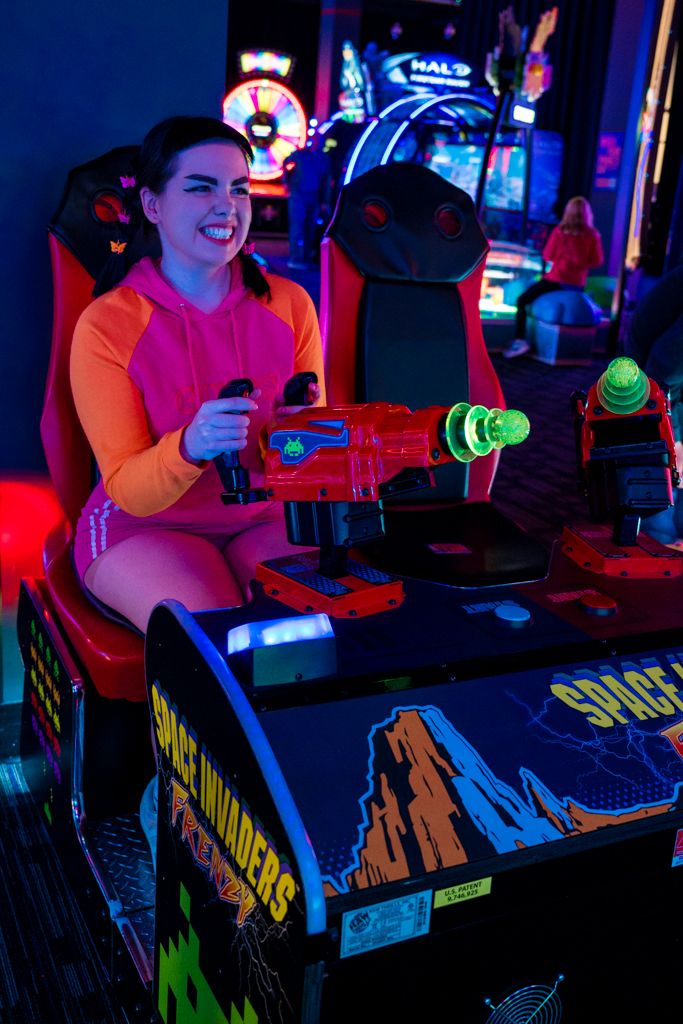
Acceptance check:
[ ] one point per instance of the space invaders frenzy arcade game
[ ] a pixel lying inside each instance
(464, 808)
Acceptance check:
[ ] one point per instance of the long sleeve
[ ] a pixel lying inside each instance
(142, 477)
(141, 368)
(572, 255)
(597, 255)
(293, 305)
(550, 247)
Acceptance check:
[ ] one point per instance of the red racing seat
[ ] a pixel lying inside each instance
(401, 269)
(87, 220)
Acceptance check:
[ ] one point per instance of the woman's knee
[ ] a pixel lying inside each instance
(257, 544)
(134, 575)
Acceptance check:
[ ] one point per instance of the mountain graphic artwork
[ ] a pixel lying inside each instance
(434, 803)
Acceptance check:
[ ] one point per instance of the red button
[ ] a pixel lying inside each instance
(598, 604)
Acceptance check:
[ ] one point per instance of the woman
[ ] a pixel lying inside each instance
(573, 248)
(149, 359)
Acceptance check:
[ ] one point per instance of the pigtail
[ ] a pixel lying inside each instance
(251, 272)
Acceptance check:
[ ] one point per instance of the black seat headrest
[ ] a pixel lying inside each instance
(404, 222)
(87, 220)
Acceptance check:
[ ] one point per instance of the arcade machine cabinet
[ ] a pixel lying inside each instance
(458, 799)
(469, 803)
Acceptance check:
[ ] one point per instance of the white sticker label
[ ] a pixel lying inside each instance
(385, 923)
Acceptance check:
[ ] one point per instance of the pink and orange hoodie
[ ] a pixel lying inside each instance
(143, 360)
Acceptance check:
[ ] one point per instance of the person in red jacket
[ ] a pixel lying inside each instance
(573, 248)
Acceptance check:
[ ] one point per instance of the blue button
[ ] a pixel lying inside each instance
(512, 615)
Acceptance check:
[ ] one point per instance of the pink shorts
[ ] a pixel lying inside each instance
(103, 524)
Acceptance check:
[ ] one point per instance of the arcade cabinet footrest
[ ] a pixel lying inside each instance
(591, 546)
(297, 582)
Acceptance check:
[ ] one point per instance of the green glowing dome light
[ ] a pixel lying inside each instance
(473, 430)
(623, 387)
(510, 427)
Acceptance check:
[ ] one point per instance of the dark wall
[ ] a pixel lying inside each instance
(76, 79)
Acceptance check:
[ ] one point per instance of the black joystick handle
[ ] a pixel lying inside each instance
(234, 476)
(295, 391)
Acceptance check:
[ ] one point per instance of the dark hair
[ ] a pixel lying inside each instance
(156, 166)
(166, 140)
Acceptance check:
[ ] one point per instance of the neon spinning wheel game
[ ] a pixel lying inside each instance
(273, 120)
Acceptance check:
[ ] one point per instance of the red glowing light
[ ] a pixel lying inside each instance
(28, 511)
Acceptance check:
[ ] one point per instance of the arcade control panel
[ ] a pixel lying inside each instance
(483, 742)
(444, 634)
(609, 588)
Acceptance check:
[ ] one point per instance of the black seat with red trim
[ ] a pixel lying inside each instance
(84, 236)
(401, 264)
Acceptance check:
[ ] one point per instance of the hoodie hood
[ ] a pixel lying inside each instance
(146, 278)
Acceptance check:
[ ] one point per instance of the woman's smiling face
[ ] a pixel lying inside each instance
(203, 213)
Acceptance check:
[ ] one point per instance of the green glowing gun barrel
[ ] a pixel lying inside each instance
(473, 430)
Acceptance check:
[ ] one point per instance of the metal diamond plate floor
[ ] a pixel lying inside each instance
(122, 848)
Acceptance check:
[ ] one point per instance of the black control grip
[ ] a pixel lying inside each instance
(295, 391)
(237, 388)
(233, 475)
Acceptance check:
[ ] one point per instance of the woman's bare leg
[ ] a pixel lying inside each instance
(257, 544)
(138, 572)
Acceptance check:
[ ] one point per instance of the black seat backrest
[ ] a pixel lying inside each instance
(413, 237)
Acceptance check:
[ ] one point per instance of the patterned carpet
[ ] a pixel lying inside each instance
(536, 483)
(49, 973)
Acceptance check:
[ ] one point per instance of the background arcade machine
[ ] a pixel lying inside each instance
(357, 105)
(264, 109)
(471, 799)
(482, 139)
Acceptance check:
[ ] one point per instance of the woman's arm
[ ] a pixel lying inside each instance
(142, 477)
(550, 247)
(597, 255)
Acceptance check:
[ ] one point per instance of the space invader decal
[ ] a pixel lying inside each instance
(295, 447)
(180, 973)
